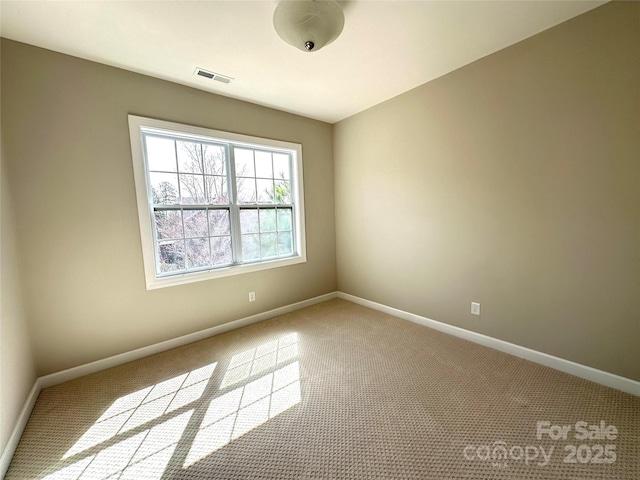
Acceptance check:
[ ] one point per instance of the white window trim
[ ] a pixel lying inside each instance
(145, 213)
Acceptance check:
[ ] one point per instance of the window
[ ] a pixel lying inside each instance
(213, 204)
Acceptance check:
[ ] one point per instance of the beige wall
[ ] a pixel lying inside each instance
(17, 370)
(514, 182)
(69, 160)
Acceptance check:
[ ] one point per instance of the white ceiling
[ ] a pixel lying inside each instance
(386, 47)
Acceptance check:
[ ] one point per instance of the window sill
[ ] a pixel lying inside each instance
(180, 279)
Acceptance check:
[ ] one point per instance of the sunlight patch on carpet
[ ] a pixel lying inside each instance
(241, 410)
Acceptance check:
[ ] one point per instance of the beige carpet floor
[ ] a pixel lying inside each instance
(331, 391)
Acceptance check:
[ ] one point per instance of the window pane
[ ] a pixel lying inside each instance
(285, 243)
(164, 188)
(244, 162)
(246, 188)
(281, 166)
(282, 192)
(189, 157)
(268, 220)
(168, 224)
(219, 222)
(249, 221)
(250, 247)
(284, 219)
(198, 252)
(265, 191)
(221, 250)
(214, 160)
(171, 256)
(268, 242)
(192, 189)
(217, 189)
(195, 223)
(264, 167)
(161, 154)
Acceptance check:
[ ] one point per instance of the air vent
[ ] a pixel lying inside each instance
(212, 75)
(202, 73)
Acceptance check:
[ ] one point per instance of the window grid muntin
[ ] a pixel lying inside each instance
(273, 178)
(277, 231)
(233, 206)
(147, 133)
(185, 238)
(258, 206)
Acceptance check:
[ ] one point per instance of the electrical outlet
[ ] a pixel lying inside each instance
(252, 296)
(475, 308)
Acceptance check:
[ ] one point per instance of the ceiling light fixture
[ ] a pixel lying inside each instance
(308, 25)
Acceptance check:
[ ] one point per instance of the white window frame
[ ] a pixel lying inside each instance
(137, 125)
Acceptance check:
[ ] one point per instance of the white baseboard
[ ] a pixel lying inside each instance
(588, 373)
(99, 365)
(23, 418)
